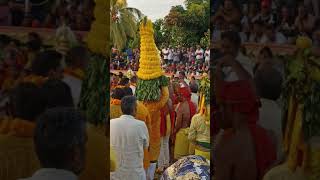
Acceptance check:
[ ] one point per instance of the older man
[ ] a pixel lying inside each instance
(129, 137)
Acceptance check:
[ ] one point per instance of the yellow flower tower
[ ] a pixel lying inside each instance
(152, 85)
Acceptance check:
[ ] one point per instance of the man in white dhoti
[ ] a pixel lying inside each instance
(128, 137)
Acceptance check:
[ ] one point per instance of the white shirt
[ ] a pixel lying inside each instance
(279, 39)
(195, 99)
(170, 56)
(52, 174)
(207, 55)
(133, 88)
(270, 119)
(128, 138)
(246, 63)
(164, 52)
(75, 85)
(200, 55)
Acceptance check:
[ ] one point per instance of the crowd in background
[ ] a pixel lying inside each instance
(192, 61)
(268, 21)
(78, 15)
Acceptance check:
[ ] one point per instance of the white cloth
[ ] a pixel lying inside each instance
(165, 53)
(246, 63)
(270, 119)
(133, 88)
(75, 85)
(170, 56)
(129, 137)
(195, 99)
(52, 174)
(279, 39)
(207, 55)
(164, 157)
(199, 53)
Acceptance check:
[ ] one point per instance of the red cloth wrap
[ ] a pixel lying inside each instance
(242, 96)
(185, 92)
(163, 124)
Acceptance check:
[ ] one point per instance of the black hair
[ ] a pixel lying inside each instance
(78, 53)
(58, 132)
(34, 45)
(133, 79)
(118, 93)
(26, 102)
(193, 88)
(57, 93)
(128, 105)
(268, 82)
(232, 36)
(124, 81)
(4, 39)
(267, 50)
(45, 62)
(128, 91)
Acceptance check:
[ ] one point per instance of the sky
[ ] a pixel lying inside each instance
(154, 9)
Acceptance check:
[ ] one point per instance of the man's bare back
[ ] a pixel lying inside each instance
(235, 157)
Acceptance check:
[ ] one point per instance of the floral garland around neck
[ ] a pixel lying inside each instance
(115, 102)
(17, 127)
(38, 80)
(75, 72)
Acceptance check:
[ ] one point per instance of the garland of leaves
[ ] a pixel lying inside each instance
(149, 90)
(93, 100)
(301, 84)
(205, 89)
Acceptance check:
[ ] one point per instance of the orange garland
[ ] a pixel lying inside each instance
(17, 127)
(75, 72)
(115, 101)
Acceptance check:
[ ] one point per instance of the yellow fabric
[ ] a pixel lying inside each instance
(199, 130)
(113, 164)
(154, 110)
(97, 155)
(168, 124)
(143, 115)
(115, 111)
(282, 172)
(181, 147)
(202, 153)
(315, 163)
(16, 146)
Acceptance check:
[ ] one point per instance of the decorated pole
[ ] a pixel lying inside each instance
(152, 86)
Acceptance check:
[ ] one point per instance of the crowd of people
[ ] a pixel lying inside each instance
(248, 128)
(192, 61)
(78, 15)
(41, 127)
(268, 21)
(184, 131)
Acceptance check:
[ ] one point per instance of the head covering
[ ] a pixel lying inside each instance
(185, 92)
(242, 96)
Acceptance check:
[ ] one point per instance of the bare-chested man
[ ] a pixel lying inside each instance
(184, 112)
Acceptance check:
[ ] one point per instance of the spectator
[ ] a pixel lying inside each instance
(207, 55)
(17, 130)
(176, 56)
(77, 60)
(165, 53)
(257, 33)
(60, 138)
(271, 35)
(170, 55)
(199, 54)
(269, 83)
(266, 16)
(304, 21)
(57, 93)
(230, 12)
(136, 139)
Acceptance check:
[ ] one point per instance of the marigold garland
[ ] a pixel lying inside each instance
(17, 127)
(115, 101)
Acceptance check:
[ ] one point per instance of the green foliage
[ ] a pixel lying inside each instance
(149, 90)
(205, 41)
(184, 26)
(93, 100)
(123, 23)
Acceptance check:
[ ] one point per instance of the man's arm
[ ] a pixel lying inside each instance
(222, 162)
(145, 136)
